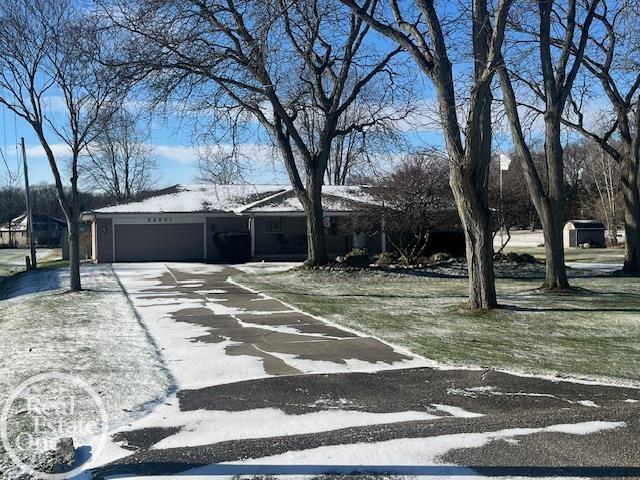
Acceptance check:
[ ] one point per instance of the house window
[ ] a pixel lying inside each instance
(273, 225)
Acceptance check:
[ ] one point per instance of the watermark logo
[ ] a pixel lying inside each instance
(44, 409)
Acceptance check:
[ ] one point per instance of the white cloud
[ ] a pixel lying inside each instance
(176, 153)
(60, 150)
(253, 152)
(54, 104)
(184, 154)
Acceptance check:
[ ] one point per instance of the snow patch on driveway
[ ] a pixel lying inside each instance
(158, 293)
(456, 411)
(206, 427)
(417, 451)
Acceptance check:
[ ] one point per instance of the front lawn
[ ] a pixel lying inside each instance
(93, 335)
(12, 260)
(594, 334)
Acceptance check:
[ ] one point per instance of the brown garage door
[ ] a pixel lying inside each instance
(159, 243)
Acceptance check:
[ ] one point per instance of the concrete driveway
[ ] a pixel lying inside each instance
(261, 388)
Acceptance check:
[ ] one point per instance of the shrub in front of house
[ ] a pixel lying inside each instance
(358, 257)
(438, 257)
(513, 257)
(385, 259)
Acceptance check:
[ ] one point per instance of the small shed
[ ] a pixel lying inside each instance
(579, 233)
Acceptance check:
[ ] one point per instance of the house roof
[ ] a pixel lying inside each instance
(335, 198)
(196, 198)
(587, 224)
(239, 199)
(19, 224)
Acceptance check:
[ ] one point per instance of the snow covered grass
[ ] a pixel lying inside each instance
(12, 259)
(526, 241)
(594, 333)
(93, 334)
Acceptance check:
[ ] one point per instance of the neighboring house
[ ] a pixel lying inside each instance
(584, 232)
(46, 231)
(221, 223)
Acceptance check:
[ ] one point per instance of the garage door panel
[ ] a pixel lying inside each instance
(156, 243)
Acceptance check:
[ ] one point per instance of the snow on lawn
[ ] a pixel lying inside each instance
(521, 238)
(93, 334)
(266, 267)
(12, 260)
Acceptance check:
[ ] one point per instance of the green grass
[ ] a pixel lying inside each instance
(594, 333)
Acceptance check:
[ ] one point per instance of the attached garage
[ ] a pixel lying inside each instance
(183, 242)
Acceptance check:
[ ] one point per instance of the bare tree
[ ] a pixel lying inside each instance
(295, 67)
(44, 200)
(120, 161)
(46, 49)
(552, 85)
(576, 156)
(420, 32)
(603, 185)
(11, 196)
(512, 209)
(366, 151)
(412, 201)
(613, 59)
(219, 168)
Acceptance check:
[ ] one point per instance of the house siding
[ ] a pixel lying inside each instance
(291, 239)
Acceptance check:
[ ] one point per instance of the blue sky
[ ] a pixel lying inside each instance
(174, 149)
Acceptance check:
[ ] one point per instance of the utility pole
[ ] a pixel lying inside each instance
(505, 161)
(32, 245)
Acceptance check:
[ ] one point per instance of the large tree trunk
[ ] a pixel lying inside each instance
(475, 217)
(549, 205)
(631, 197)
(553, 210)
(316, 241)
(555, 271)
(73, 232)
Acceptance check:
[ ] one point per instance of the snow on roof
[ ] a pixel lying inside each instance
(239, 199)
(586, 224)
(19, 223)
(334, 199)
(197, 198)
